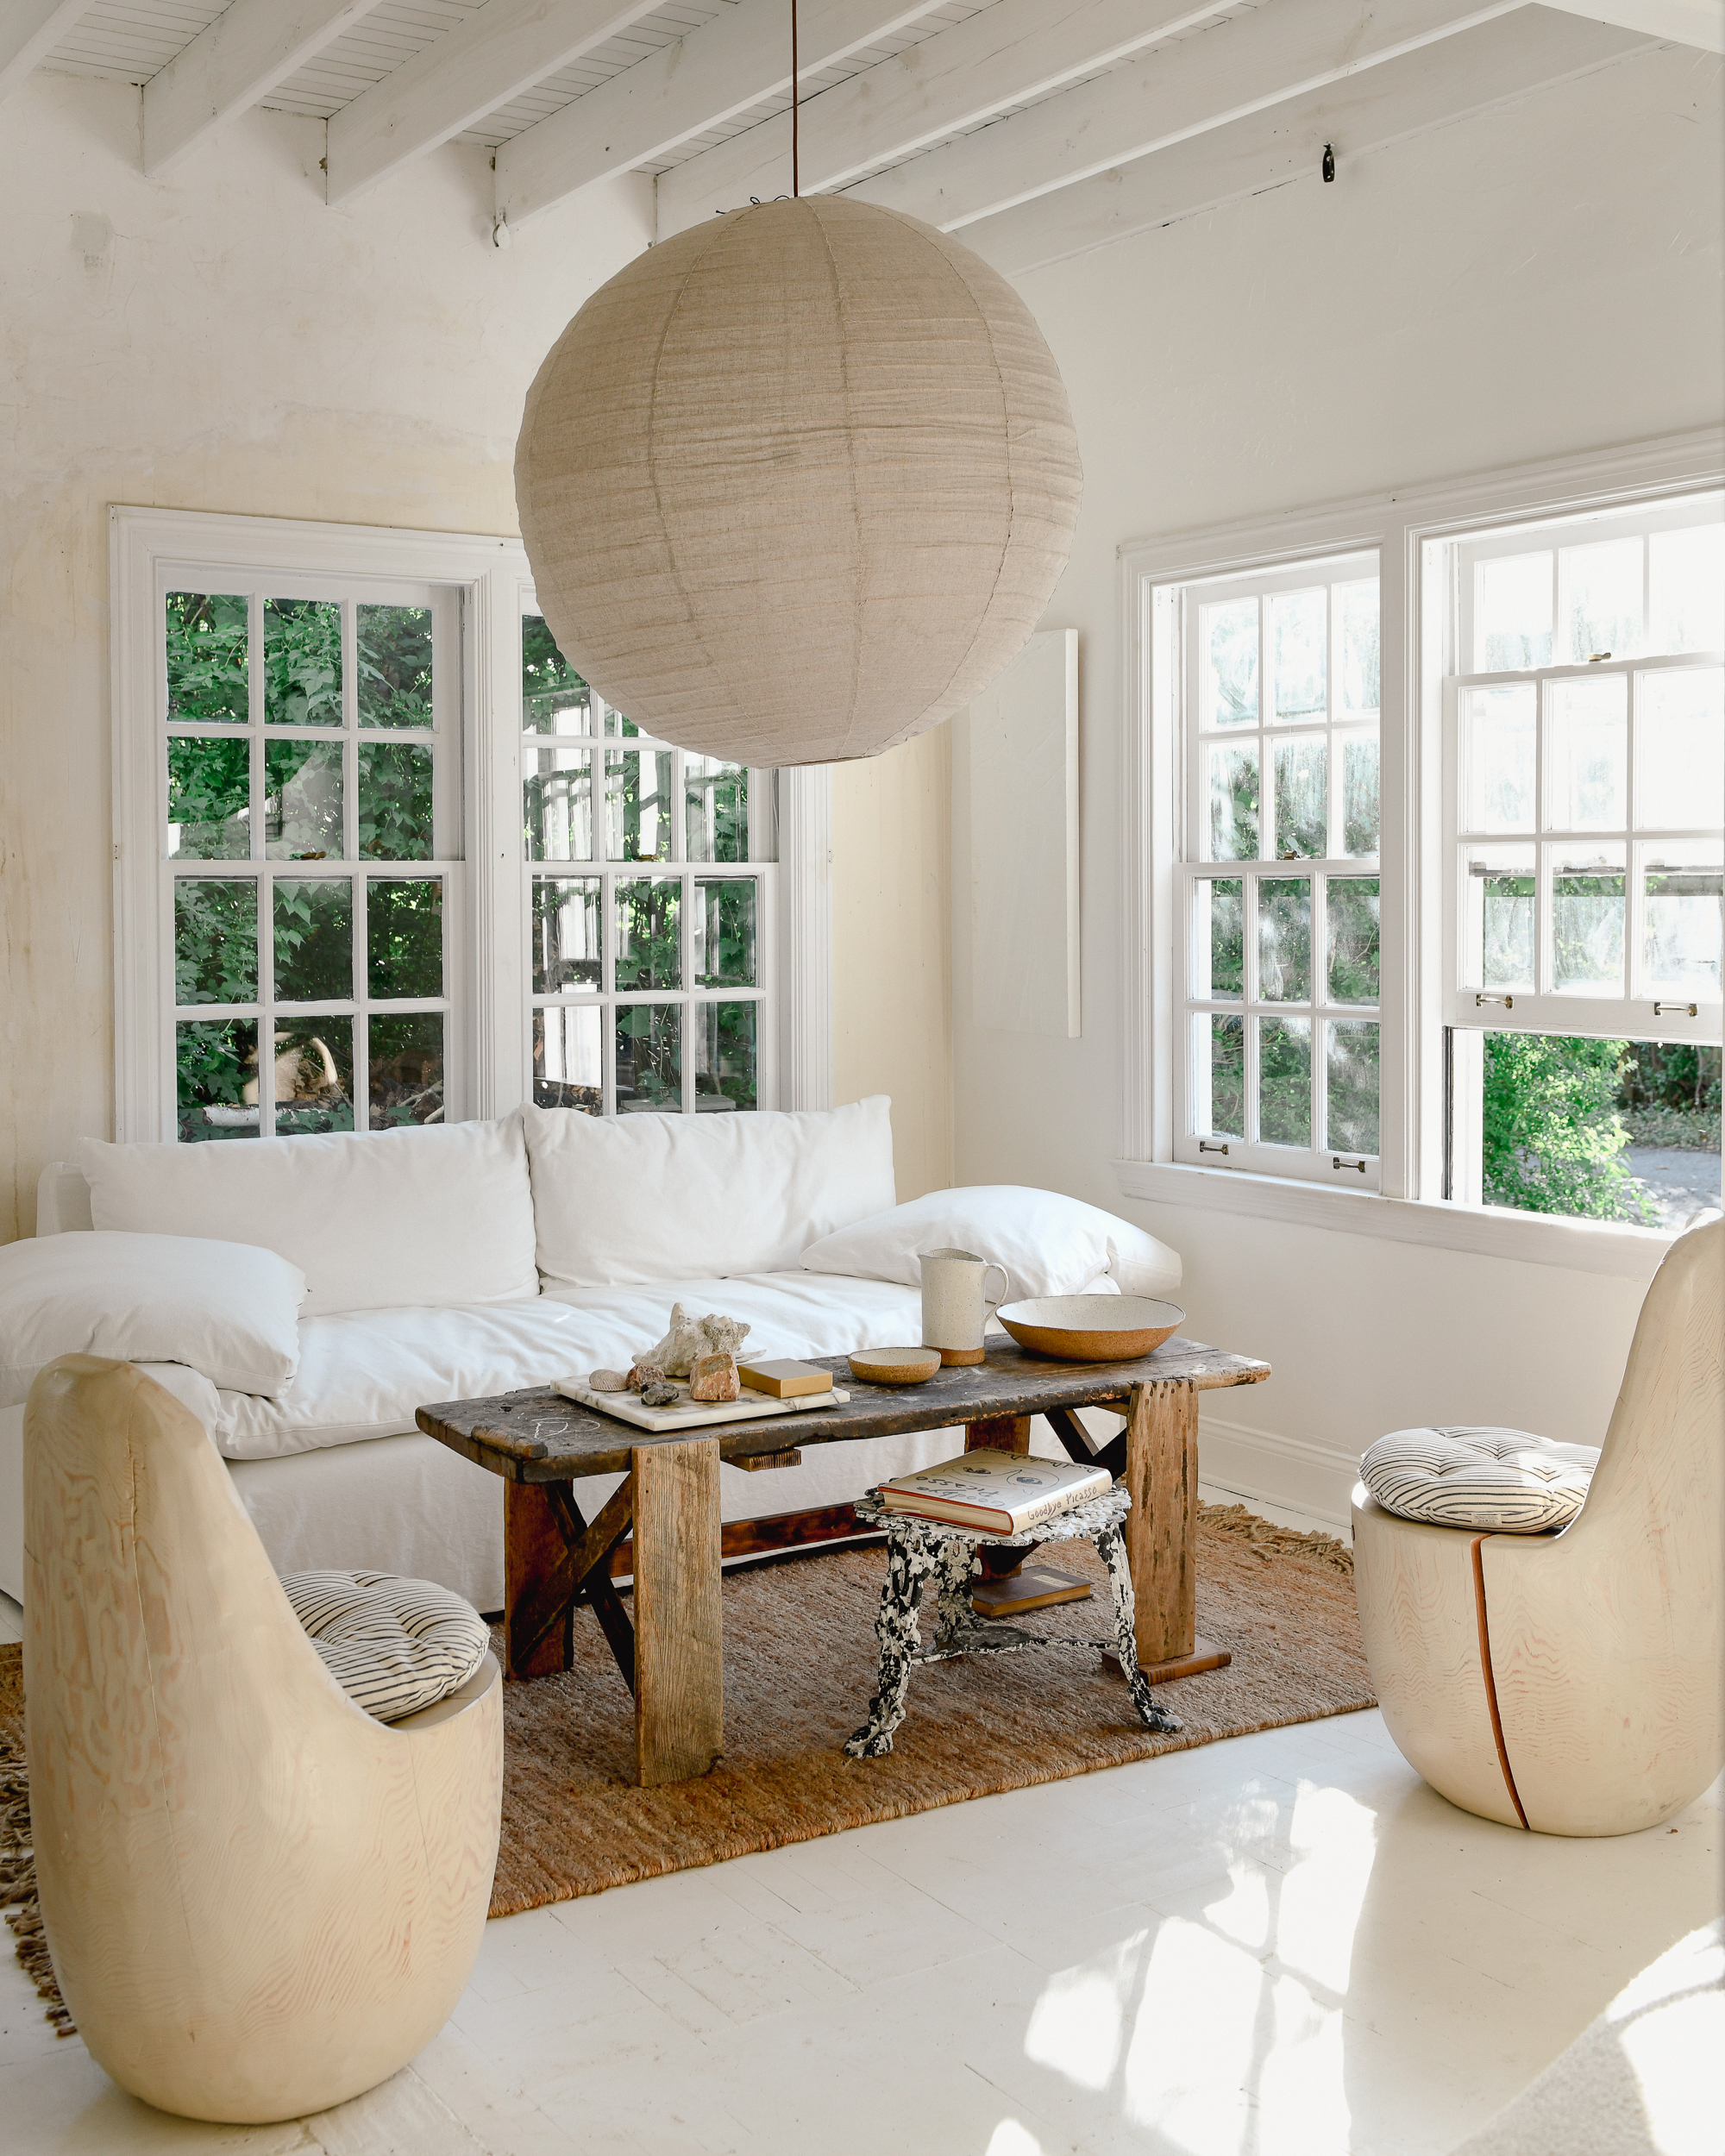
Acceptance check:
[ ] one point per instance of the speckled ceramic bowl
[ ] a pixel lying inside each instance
(1091, 1328)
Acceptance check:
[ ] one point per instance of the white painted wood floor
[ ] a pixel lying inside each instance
(1283, 1943)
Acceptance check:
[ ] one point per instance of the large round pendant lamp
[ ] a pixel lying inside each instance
(798, 483)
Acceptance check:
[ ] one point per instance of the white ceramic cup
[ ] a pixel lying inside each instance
(955, 1304)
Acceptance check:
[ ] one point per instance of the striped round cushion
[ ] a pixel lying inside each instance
(1504, 1482)
(393, 1645)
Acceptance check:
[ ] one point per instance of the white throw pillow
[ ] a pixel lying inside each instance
(227, 1309)
(437, 1216)
(1048, 1244)
(628, 1199)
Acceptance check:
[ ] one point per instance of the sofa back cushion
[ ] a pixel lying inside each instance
(636, 1198)
(440, 1215)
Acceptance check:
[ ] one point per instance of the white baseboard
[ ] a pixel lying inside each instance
(1274, 1473)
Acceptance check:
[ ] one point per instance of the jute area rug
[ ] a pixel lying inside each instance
(799, 1665)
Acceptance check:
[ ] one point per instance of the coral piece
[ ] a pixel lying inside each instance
(660, 1394)
(607, 1380)
(690, 1337)
(644, 1373)
(713, 1377)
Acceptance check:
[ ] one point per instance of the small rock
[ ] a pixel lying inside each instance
(641, 1375)
(658, 1394)
(713, 1377)
(607, 1380)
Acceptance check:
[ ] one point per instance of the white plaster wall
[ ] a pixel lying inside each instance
(215, 339)
(1536, 281)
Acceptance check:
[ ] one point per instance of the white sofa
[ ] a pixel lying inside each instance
(470, 1260)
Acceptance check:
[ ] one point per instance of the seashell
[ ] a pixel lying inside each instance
(690, 1337)
(607, 1382)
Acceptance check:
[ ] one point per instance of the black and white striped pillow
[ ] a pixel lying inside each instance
(393, 1645)
(1503, 1482)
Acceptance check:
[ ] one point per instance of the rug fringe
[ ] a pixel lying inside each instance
(1267, 1540)
(18, 1885)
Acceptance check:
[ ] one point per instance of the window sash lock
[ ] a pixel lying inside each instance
(1677, 1010)
(1508, 1002)
(1207, 1145)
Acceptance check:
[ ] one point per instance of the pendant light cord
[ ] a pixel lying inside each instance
(794, 176)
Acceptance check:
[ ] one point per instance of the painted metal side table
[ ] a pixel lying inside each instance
(930, 1549)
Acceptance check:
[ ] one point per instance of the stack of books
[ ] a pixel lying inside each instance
(994, 1493)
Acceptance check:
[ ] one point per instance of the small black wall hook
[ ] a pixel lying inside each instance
(1329, 162)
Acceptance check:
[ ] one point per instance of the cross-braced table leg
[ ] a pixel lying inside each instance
(910, 1559)
(1111, 1547)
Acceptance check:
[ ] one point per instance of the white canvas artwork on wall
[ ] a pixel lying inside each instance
(1024, 843)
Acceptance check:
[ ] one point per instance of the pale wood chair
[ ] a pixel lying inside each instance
(1575, 1683)
(259, 1902)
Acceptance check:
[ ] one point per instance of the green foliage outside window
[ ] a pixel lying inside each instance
(302, 662)
(1551, 1139)
(206, 659)
(394, 649)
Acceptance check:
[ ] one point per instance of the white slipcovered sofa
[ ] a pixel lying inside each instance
(460, 1261)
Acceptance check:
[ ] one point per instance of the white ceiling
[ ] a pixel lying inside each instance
(1036, 127)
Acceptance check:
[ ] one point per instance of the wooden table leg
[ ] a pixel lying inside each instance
(679, 1656)
(1161, 1530)
(533, 1549)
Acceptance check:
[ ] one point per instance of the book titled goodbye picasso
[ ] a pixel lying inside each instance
(995, 1492)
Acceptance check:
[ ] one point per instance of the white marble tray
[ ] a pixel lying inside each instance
(690, 1415)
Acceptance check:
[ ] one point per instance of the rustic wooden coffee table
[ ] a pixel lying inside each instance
(662, 1524)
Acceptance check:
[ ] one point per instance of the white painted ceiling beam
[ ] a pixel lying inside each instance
(251, 48)
(1498, 63)
(1013, 51)
(491, 56)
(1697, 22)
(1282, 50)
(734, 62)
(29, 30)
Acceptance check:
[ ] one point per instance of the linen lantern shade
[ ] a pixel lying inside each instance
(798, 483)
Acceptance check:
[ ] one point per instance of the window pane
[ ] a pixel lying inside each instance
(1587, 925)
(1587, 755)
(566, 934)
(404, 938)
(649, 1059)
(1302, 814)
(1684, 923)
(715, 810)
(1601, 588)
(314, 1077)
(302, 662)
(215, 1072)
(208, 798)
(406, 1067)
(1680, 746)
(1298, 651)
(216, 941)
(554, 699)
(1284, 1081)
(648, 917)
(206, 659)
(1351, 934)
(303, 800)
(1359, 793)
(1499, 745)
(1233, 803)
(1356, 616)
(725, 934)
(1227, 1047)
(1512, 613)
(1687, 570)
(395, 801)
(1229, 638)
(615, 723)
(314, 940)
(1221, 937)
(724, 1055)
(638, 804)
(1554, 1140)
(395, 665)
(565, 1046)
(1284, 940)
(1352, 1074)
(1501, 904)
(557, 801)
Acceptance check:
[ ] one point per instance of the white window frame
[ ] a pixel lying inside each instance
(487, 933)
(1412, 534)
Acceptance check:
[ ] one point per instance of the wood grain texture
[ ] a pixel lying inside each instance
(259, 1902)
(536, 1577)
(1162, 1527)
(679, 1651)
(998, 1433)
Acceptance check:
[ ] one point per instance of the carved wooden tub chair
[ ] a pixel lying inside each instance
(1573, 1684)
(259, 1900)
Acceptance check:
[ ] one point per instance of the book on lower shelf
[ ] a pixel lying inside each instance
(994, 1493)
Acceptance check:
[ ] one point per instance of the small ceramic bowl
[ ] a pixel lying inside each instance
(895, 1365)
(1091, 1328)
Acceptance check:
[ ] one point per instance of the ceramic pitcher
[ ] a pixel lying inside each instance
(955, 1304)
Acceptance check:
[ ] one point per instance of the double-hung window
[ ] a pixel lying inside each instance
(1277, 1062)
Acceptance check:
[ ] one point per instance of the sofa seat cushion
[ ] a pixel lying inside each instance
(1497, 1482)
(363, 1375)
(395, 1646)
